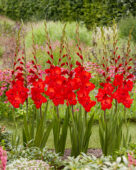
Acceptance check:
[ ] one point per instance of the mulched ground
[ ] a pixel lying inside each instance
(96, 152)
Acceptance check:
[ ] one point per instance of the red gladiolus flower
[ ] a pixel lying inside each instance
(88, 104)
(54, 70)
(56, 84)
(78, 70)
(106, 95)
(81, 94)
(130, 76)
(40, 85)
(122, 96)
(106, 103)
(82, 74)
(108, 88)
(84, 88)
(36, 92)
(61, 88)
(71, 99)
(58, 99)
(84, 100)
(74, 83)
(104, 98)
(37, 97)
(14, 98)
(50, 92)
(33, 78)
(88, 86)
(19, 77)
(128, 85)
(118, 81)
(17, 94)
(127, 102)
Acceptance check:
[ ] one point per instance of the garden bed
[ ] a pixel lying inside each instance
(61, 105)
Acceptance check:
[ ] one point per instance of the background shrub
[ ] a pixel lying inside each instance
(98, 12)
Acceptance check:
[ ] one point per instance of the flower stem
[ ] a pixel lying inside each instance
(126, 122)
(72, 110)
(58, 112)
(105, 116)
(41, 112)
(86, 117)
(27, 108)
(116, 106)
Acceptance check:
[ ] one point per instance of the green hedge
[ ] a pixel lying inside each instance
(91, 12)
(24, 9)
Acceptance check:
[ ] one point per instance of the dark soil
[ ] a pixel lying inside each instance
(96, 152)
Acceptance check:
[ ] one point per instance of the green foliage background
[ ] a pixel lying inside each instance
(91, 12)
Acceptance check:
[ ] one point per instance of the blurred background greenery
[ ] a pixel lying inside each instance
(90, 12)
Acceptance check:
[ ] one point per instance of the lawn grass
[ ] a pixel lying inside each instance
(94, 140)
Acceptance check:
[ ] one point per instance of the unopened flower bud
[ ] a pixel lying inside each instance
(81, 57)
(129, 68)
(51, 56)
(78, 63)
(116, 69)
(79, 48)
(104, 74)
(62, 64)
(48, 62)
(107, 69)
(118, 57)
(120, 65)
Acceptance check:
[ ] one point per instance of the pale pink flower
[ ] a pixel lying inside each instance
(3, 159)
